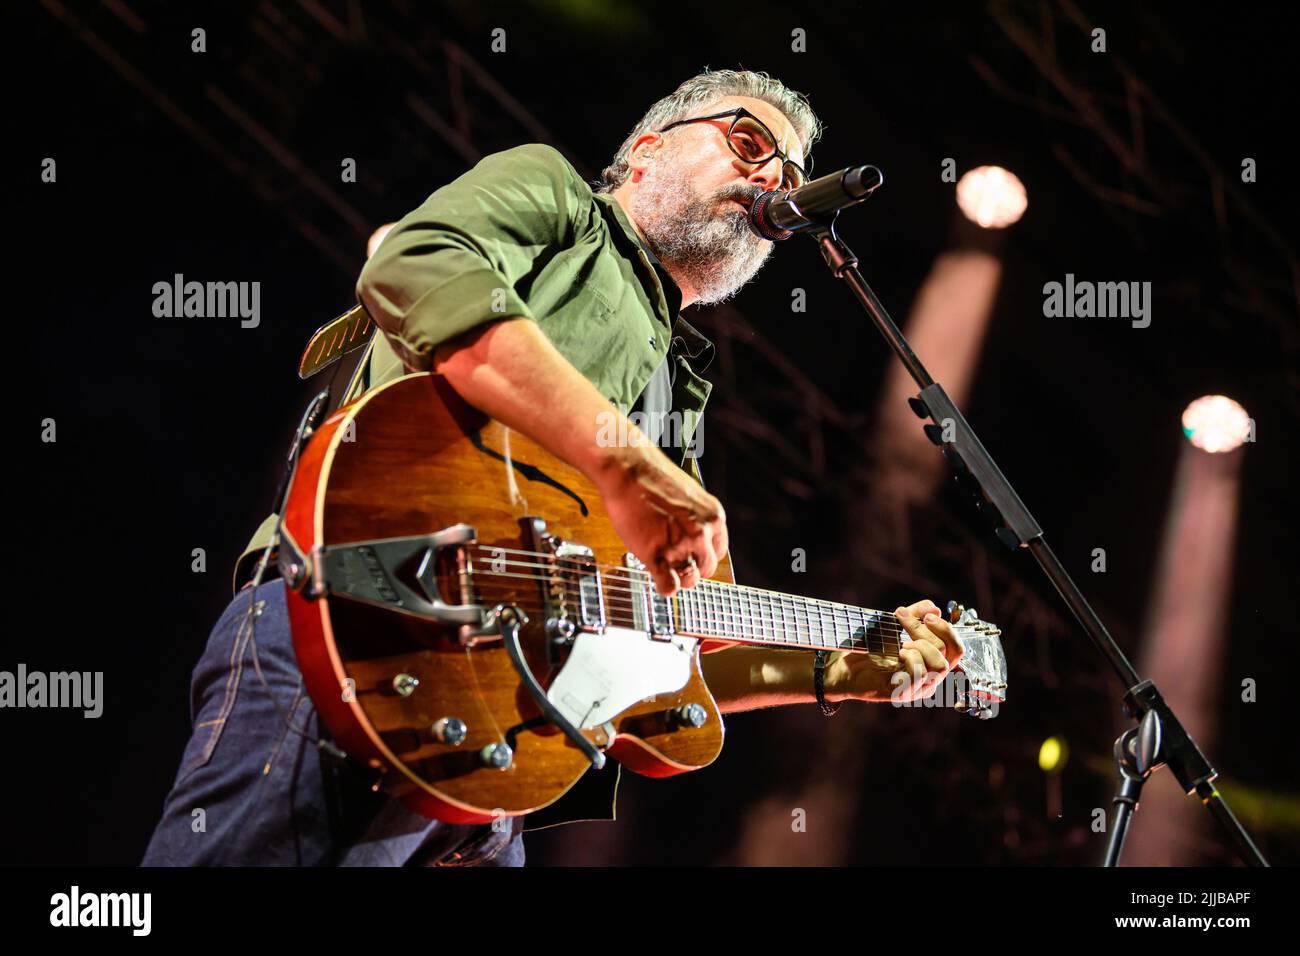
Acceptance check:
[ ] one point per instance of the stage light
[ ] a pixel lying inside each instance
(377, 237)
(1185, 635)
(992, 197)
(1053, 754)
(946, 327)
(1215, 423)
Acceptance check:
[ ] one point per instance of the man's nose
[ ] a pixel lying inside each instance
(767, 176)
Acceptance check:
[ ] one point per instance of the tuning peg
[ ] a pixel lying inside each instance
(934, 433)
(919, 407)
(955, 611)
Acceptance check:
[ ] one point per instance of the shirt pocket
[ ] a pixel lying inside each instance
(605, 345)
(690, 395)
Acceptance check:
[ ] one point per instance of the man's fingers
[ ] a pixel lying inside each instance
(689, 576)
(953, 649)
(933, 629)
(666, 580)
(919, 609)
(719, 533)
(913, 624)
(914, 665)
(691, 542)
(706, 557)
(700, 529)
(925, 676)
(933, 656)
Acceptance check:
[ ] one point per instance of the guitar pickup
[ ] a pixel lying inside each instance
(577, 565)
(651, 612)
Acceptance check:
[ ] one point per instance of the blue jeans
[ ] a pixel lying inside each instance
(252, 789)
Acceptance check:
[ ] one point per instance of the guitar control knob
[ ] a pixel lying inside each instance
(690, 715)
(405, 684)
(497, 756)
(449, 730)
(560, 630)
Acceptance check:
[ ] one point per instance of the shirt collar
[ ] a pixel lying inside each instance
(686, 340)
(672, 292)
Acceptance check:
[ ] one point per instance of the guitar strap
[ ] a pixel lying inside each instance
(335, 339)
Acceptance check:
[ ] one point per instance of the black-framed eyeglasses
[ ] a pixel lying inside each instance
(751, 140)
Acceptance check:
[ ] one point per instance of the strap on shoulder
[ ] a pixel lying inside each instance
(335, 339)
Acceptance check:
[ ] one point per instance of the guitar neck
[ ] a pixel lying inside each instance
(746, 615)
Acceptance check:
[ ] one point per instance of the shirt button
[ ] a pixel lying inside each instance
(652, 341)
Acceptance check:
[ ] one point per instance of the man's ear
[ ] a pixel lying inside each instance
(644, 149)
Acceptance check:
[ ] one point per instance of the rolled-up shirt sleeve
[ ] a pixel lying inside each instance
(459, 259)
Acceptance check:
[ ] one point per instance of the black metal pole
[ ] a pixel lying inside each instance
(1018, 529)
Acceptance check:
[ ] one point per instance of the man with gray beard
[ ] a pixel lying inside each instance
(711, 252)
(541, 301)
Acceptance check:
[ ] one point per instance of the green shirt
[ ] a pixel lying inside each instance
(523, 235)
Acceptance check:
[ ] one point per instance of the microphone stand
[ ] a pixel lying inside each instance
(1159, 739)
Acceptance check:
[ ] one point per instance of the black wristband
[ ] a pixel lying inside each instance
(819, 684)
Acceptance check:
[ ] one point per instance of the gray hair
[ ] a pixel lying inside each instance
(702, 91)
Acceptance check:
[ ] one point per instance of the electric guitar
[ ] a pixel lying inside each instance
(471, 627)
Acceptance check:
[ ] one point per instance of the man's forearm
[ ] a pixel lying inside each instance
(747, 678)
(512, 372)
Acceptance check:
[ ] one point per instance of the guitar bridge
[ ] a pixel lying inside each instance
(569, 582)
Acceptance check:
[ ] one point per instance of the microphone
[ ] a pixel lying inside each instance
(779, 215)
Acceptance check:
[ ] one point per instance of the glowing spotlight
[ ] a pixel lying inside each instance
(377, 237)
(1053, 754)
(1215, 423)
(1185, 645)
(992, 197)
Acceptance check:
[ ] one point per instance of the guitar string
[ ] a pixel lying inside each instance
(791, 601)
(840, 613)
(648, 575)
(789, 628)
(784, 629)
(775, 620)
(729, 629)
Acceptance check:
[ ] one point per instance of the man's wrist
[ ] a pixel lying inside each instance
(610, 466)
(829, 689)
(838, 679)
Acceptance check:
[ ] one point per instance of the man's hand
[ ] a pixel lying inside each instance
(664, 516)
(928, 650)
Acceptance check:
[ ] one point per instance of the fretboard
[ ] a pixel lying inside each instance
(713, 609)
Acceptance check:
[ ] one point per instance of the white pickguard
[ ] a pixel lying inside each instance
(607, 673)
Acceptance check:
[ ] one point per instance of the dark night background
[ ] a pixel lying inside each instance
(225, 166)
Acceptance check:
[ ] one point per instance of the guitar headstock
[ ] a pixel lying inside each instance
(980, 677)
